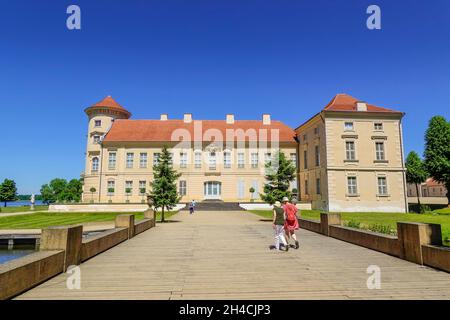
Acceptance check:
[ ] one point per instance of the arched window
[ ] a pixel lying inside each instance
(95, 164)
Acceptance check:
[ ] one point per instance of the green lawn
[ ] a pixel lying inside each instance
(21, 209)
(376, 221)
(45, 219)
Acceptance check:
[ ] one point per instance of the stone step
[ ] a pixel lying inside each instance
(214, 205)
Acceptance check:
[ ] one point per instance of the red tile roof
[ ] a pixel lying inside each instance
(109, 103)
(345, 102)
(433, 183)
(158, 130)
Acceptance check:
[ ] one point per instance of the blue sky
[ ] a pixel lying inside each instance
(247, 57)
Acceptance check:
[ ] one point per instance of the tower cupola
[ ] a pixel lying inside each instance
(108, 107)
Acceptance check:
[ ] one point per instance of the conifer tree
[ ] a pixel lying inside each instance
(164, 185)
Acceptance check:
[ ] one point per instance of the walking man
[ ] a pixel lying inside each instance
(278, 226)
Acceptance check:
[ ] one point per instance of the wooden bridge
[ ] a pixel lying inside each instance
(225, 255)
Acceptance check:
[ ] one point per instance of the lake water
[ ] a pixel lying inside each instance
(22, 203)
(7, 255)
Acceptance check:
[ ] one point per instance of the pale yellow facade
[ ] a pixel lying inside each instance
(132, 168)
(346, 161)
(354, 162)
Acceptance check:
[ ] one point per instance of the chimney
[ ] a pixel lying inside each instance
(187, 117)
(230, 118)
(266, 119)
(361, 106)
(163, 117)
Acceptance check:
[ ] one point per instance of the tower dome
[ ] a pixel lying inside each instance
(108, 106)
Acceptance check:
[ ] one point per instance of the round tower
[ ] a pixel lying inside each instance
(102, 114)
(101, 117)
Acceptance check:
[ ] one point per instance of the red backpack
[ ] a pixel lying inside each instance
(291, 211)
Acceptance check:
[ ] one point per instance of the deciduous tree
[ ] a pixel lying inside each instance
(415, 172)
(8, 191)
(437, 151)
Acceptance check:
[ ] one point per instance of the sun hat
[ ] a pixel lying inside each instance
(277, 204)
(285, 199)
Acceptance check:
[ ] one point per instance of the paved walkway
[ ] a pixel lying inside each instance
(225, 255)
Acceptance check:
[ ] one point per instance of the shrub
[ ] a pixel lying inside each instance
(380, 228)
(353, 224)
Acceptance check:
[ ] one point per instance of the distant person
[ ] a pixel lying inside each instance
(278, 226)
(192, 207)
(291, 223)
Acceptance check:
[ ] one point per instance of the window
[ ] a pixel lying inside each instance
(352, 187)
(293, 157)
(96, 139)
(112, 160)
(349, 126)
(382, 186)
(170, 158)
(142, 187)
(318, 190)
(241, 160)
(378, 126)
(128, 187)
(98, 123)
(182, 188)
(350, 150)
(183, 159)
(143, 160)
(111, 187)
(306, 187)
(227, 159)
(317, 153)
(95, 164)
(305, 158)
(254, 159)
(198, 159)
(240, 189)
(156, 158)
(305, 137)
(130, 157)
(212, 161)
(316, 131)
(379, 150)
(267, 157)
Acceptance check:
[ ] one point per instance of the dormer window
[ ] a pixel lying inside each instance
(349, 126)
(98, 123)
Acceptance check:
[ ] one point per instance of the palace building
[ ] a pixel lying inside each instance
(349, 156)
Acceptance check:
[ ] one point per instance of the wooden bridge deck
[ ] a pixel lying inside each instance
(225, 255)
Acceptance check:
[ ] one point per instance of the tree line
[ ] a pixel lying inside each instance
(57, 190)
(436, 157)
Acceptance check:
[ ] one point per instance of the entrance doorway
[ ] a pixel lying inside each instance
(212, 190)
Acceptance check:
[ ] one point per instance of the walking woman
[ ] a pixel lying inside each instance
(278, 226)
(291, 223)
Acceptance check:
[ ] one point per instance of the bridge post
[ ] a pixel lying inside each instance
(327, 220)
(150, 214)
(126, 221)
(67, 238)
(411, 237)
